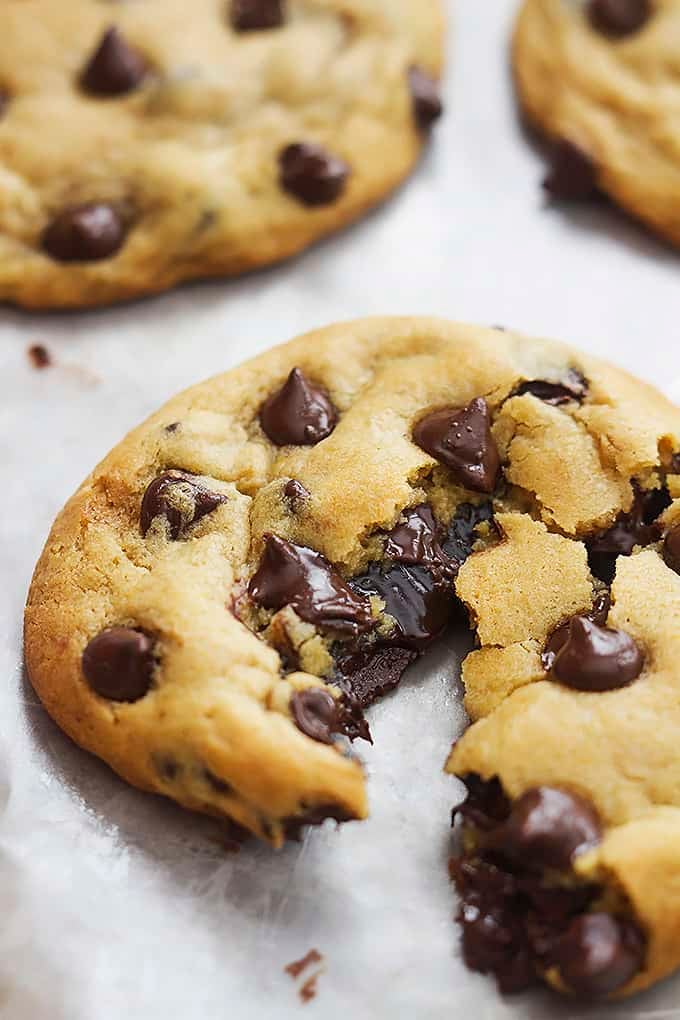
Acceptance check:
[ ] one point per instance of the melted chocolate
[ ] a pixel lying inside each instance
(461, 439)
(574, 387)
(671, 549)
(295, 825)
(320, 716)
(597, 658)
(637, 527)
(515, 922)
(292, 575)
(599, 954)
(373, 672)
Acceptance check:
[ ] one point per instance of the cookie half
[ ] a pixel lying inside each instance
(600, 79)
(141, 145)
(267, 554)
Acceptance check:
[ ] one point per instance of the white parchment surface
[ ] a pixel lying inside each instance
(114, 904)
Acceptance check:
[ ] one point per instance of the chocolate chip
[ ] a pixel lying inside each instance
(252, 15)
(299, 414)
(311, 174)
(461, 439)
(295, 495)
(639, 526)
(167, 767)
(115, 67)
(292, 575)
(619, 18)
(599, 954)
(316, 815)
(597, 658)
(547, 828)
(426, 98)
(4, 102)
(39, 356)
(671, 549)
(119, 664)
(316, 714)
(372, 673)
(84, 233)
(180, 500)
(559, 637)
(574, 387)
(572, 175)
(174, 426)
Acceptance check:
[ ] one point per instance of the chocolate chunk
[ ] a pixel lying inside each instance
(119, 664)
(295, 495)
(619, 18)
(599, 954)
(315, 713)
(299, 414)
(572, 175)
(461, 439)
(293, 827)
(39, 356)
(597, 658)
(371, 673)
(426, 98)
(115, 67)
(311, 174)
(547, 828)
(574, 387)
(253, 15)
(671, 549)
(84, 233)
(486, 803)
(559, 637)
(180, 500)
(637, 527)
(292, 575)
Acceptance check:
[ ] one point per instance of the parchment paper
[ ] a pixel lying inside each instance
(116, 904)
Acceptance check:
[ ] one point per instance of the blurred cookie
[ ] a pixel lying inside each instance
(142, 144)
(600, 79)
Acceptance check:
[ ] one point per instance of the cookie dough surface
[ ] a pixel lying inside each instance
(130, 163)
(269, 551)
(603, 76)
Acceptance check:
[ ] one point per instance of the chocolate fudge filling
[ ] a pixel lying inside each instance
(523, 910)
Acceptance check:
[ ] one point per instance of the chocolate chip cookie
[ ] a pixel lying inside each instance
(239, 579)
(142, 145)
(600, 79)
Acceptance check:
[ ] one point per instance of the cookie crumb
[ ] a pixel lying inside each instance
(298, 966)
(308, 990)
(39, 356)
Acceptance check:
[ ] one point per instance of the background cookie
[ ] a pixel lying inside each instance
(140, 147)
(600, 79)
(269, 552)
